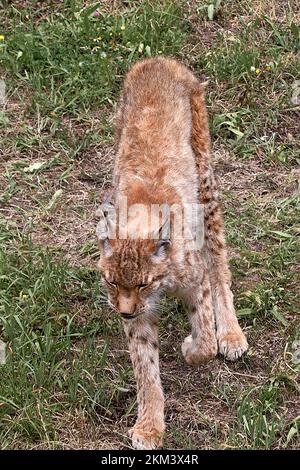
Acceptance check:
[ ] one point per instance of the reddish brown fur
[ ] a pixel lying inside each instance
(164, 157)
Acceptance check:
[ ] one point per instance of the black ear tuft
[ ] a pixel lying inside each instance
(105, 227)
(161, 250)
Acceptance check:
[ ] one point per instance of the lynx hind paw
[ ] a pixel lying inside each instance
(145, 440)
(232, 345)
(194, 354)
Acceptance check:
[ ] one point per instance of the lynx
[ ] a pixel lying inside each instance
(163, 158)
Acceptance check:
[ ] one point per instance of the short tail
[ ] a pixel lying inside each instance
(201, 144)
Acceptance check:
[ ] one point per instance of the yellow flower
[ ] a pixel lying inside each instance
(1, 37)
(99, 38)
(257, 71)
(123, 27)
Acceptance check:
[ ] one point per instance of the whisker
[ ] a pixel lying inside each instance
(111, 305)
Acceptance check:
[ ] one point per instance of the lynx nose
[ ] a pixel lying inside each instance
(127, 305)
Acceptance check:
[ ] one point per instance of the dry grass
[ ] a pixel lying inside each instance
(219, 405)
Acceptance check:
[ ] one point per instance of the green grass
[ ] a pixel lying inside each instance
(62, 56)
(55, 359)
(67, 381)
(255, 65)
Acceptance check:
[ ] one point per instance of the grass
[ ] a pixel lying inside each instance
(95, 50)
(67, 381)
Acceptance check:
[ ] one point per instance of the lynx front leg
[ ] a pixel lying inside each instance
(147, 433)
(201, 345)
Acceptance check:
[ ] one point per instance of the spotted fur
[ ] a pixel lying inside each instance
(164, 157)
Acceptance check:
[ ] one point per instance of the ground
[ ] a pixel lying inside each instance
(67, 382)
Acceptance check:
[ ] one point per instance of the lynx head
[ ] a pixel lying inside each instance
(134, 270)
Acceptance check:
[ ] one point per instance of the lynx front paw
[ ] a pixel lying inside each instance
(233, 344)
(145, 440)
(195, 354)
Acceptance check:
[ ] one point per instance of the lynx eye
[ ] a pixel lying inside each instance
(142, 286)
(111, 284)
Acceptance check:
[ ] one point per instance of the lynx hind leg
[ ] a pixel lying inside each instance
(232, 341)
(201, 345)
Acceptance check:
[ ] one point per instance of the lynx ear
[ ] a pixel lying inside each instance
(106, 227)
(163, 243)
(161, 250)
